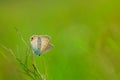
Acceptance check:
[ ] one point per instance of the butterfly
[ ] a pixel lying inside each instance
(40, 44)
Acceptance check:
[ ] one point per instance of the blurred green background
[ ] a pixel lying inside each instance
(85, 33)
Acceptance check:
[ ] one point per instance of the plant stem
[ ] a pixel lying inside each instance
(35, 67)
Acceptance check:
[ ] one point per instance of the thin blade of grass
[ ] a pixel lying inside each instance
(27, 47)
(35, 67)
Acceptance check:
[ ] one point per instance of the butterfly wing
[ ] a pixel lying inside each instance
(50, 46)
(44, 42)
(34, 40)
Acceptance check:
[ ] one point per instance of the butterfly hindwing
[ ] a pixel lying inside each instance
(50, 46)
(44, 42)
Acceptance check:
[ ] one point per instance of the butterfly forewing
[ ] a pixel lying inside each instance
(34, 44)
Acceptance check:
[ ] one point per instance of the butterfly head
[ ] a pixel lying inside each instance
(33, 38)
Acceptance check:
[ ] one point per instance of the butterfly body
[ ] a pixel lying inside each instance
(40, 44)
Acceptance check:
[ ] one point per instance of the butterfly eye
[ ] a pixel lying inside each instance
(32, 38)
